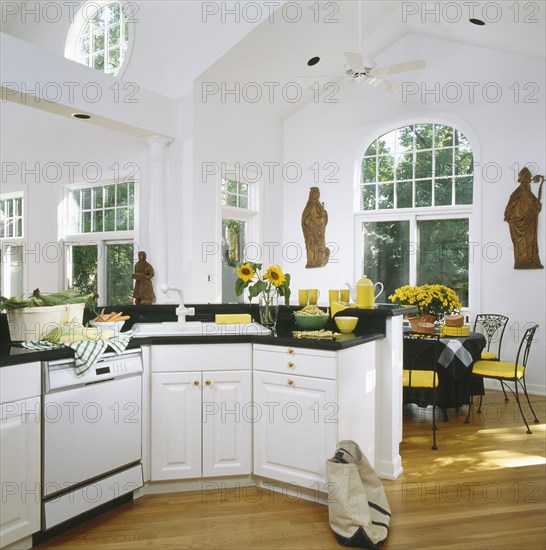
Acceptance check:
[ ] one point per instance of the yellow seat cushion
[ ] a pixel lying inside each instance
(488, 356)
(497, 369)
(419, 379)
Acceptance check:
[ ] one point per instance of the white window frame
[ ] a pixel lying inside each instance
(251, 215)
(413, 215)
(100, 238)
(6, 242)
(82, 18)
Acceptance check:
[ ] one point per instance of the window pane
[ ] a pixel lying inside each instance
(404, 194)
(443, 255)
(368, 197)
(121, 219)
(370, 150)
(386, 168)
(97, 220)
(86, 199)
(404, 167)
(97, 197)
(404, 139)
(464, 162)
(86, 222)
(386, 195)
(423, 193)
(119, 270)
(387, 143)
(110, 195)
(423, 164)
(463, 190)
(386, 258)
(443, 192)
(121, 194)
(83, 268)
(443, 136)
(233, 244)
(444, 162)
(110, 220)
(423, 136)
(368, 170)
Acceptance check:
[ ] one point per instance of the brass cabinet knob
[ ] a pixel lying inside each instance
(290, 350)
(196, 382)
(290, 364)
(208, 382)
(290, 382)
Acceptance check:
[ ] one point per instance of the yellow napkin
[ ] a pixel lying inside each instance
(238, 318)
(455, 331)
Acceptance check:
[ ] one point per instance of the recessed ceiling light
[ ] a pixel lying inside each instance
(81, 116)
(313, 61)
(478, 22)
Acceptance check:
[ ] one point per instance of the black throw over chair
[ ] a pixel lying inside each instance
(420, 373)
(506, 371)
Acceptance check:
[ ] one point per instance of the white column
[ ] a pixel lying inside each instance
(388, 399)
(156, 239)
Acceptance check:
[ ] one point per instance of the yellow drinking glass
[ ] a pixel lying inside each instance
(303, 297)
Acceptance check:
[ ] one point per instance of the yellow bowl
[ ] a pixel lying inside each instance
(346, 324)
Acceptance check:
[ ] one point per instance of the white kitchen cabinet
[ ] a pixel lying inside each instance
(201, 421)
(19, 453)
(306, 401)
(295, 427)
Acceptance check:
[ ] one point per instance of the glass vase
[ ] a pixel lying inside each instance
(269, 309)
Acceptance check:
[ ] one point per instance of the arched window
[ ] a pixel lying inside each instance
(99, 36)
(414, 221)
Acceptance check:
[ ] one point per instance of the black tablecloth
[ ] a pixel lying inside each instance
(454, 371)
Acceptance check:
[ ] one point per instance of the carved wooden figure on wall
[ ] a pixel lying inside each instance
(313, 223)
(521, 213)
(143, 293)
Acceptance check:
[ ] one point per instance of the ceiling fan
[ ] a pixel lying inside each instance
(365, 70)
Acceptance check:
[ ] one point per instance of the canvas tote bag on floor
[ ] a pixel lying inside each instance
(357, 505)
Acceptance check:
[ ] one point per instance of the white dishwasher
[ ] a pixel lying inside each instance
(92, 435)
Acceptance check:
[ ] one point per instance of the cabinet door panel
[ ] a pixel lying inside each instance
(295, 427)
(227, 423)
(176, 426)
(19, 469)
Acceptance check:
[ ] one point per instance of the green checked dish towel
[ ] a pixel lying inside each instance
(86, 352)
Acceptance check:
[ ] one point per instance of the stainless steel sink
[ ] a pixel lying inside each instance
(197, 328)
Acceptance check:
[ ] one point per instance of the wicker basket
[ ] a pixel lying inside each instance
(424, 323)
(454, 321)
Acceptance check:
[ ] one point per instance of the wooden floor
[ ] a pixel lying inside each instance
(484, 488)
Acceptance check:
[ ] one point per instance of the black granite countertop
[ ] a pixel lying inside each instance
(371, 327)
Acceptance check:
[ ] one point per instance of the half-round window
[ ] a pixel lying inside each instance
(99, 36)
(417, 166)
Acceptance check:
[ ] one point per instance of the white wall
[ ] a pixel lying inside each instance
(41, 152)
(505, 132)
(231, 134)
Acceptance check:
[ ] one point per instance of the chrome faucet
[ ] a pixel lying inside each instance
(181, 310)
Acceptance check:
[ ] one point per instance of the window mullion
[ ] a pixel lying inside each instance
(414, 250)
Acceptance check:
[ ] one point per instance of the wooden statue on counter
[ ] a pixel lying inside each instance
(313, 223)
(143, 293)
(521, 213)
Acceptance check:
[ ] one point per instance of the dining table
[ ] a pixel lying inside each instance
(456, 356)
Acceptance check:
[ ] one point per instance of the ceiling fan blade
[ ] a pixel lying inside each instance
(355, 62)
(414, 65)
(387, 85)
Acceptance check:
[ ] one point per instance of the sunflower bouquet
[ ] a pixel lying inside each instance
(437, 300)
(272, 281)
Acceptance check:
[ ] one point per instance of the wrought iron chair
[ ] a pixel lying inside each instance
(420, 373)
(506, 371)
(492, 326)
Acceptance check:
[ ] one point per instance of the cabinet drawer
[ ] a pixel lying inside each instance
(195, 357)
(19, 382)
(296, 361)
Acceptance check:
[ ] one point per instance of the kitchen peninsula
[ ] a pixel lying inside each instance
(236, 408)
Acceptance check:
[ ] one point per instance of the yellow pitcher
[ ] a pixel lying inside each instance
(366, 292)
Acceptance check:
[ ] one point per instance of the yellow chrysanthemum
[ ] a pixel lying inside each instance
(275, 275)
(245, 272)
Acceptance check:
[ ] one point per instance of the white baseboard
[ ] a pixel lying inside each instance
(532, 389)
